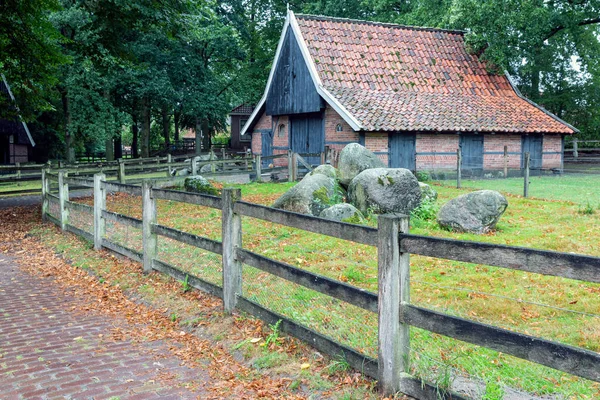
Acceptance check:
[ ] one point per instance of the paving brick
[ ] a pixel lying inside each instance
(41, 359)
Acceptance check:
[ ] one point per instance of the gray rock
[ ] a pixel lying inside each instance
(327, 170)
(310, 196)
(207, 169)
(475, 212)
(385, 190)
(199, 184)
(182, 172)
(343, 212)
(427, 192)
(354, 159)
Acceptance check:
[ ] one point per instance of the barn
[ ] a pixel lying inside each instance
(15, 139)
(411, 95)
(239, 116)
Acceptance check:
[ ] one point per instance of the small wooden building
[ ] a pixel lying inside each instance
(15, 139)
(239, 117)
(411, 95)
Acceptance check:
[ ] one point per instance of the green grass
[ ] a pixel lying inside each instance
(455, 288)
(578, 189)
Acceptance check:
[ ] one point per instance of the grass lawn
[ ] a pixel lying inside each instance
(553, 308)
(582, 189)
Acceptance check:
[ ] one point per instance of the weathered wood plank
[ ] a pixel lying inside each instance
(424, 391)
(232, 239)
(359, 362)
(79, 181)
(193, 281)
(121, 187)
(52, 219)
(341, 230)
(149, 218)
(71, 205)
(331, 287)
(566, 265)
(125, 251)
(99, 206)
(80, 232)
(188, 238)
(186, 197)
(573, 360)
(52, 197)
(122, 219)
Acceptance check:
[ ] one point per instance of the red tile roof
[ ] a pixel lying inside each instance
(395, 78)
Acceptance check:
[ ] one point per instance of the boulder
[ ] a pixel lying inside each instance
(181, 172)
(310, 196)
(207, 169)
(385, 190)
(327, 170)
(475, 212)
(354, 159)
(199, 184)
(343, 212)
(427, 192)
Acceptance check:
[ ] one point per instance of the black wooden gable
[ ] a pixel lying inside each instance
(292, 89)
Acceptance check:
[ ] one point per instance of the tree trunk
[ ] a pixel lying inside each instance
(176, 116)
(69, 151)
(198, 142)
(166, 123)
(145, 127)
(205, 135)
(134, 140)
(118, 146)
(536, 72)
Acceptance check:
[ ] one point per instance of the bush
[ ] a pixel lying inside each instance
(425, 213)
(423, 176)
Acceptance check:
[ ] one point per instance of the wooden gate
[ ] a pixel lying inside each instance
(307, 135)
(267, 146)
(471, 147)
(402, 151)
(532, 144)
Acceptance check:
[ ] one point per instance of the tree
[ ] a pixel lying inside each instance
(29, 53)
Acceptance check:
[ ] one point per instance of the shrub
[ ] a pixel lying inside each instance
(423, 176)
(588, 209)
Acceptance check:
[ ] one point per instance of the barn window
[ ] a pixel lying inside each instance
(281, 130)
(339, 128)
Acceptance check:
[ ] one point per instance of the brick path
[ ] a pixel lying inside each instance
(48, 351)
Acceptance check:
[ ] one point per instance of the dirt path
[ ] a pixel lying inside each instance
(50, 351)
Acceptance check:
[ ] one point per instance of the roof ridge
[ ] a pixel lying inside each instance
(377, 23)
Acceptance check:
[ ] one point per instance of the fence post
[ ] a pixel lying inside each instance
(505, 161)
(18, 167)
(148, 219)
(575, 152)
(99, 206)
(294, 167)
(327, 155)
(169, 168)
(232, 239)
(290, 167)
(195, 165)
(63, 197)
(526, 176)
(458, 168)
(394, 290)
(45, 191)
(121, 171)
(323, 157)
(258, 164)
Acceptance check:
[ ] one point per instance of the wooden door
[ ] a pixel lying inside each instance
(471, 148)
(307, 135)
(534, 145)
(402, 150)
(267, 146)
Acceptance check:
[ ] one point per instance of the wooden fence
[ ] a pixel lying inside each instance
(394, 245)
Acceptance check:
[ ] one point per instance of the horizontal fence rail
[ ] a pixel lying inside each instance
(340, 230)
(394, 244)
(566, 265)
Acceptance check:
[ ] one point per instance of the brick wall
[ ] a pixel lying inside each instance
(495, 144)
(265, 122)
(332, 120)
(438, 151)
(377, 142)
(552, 144)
